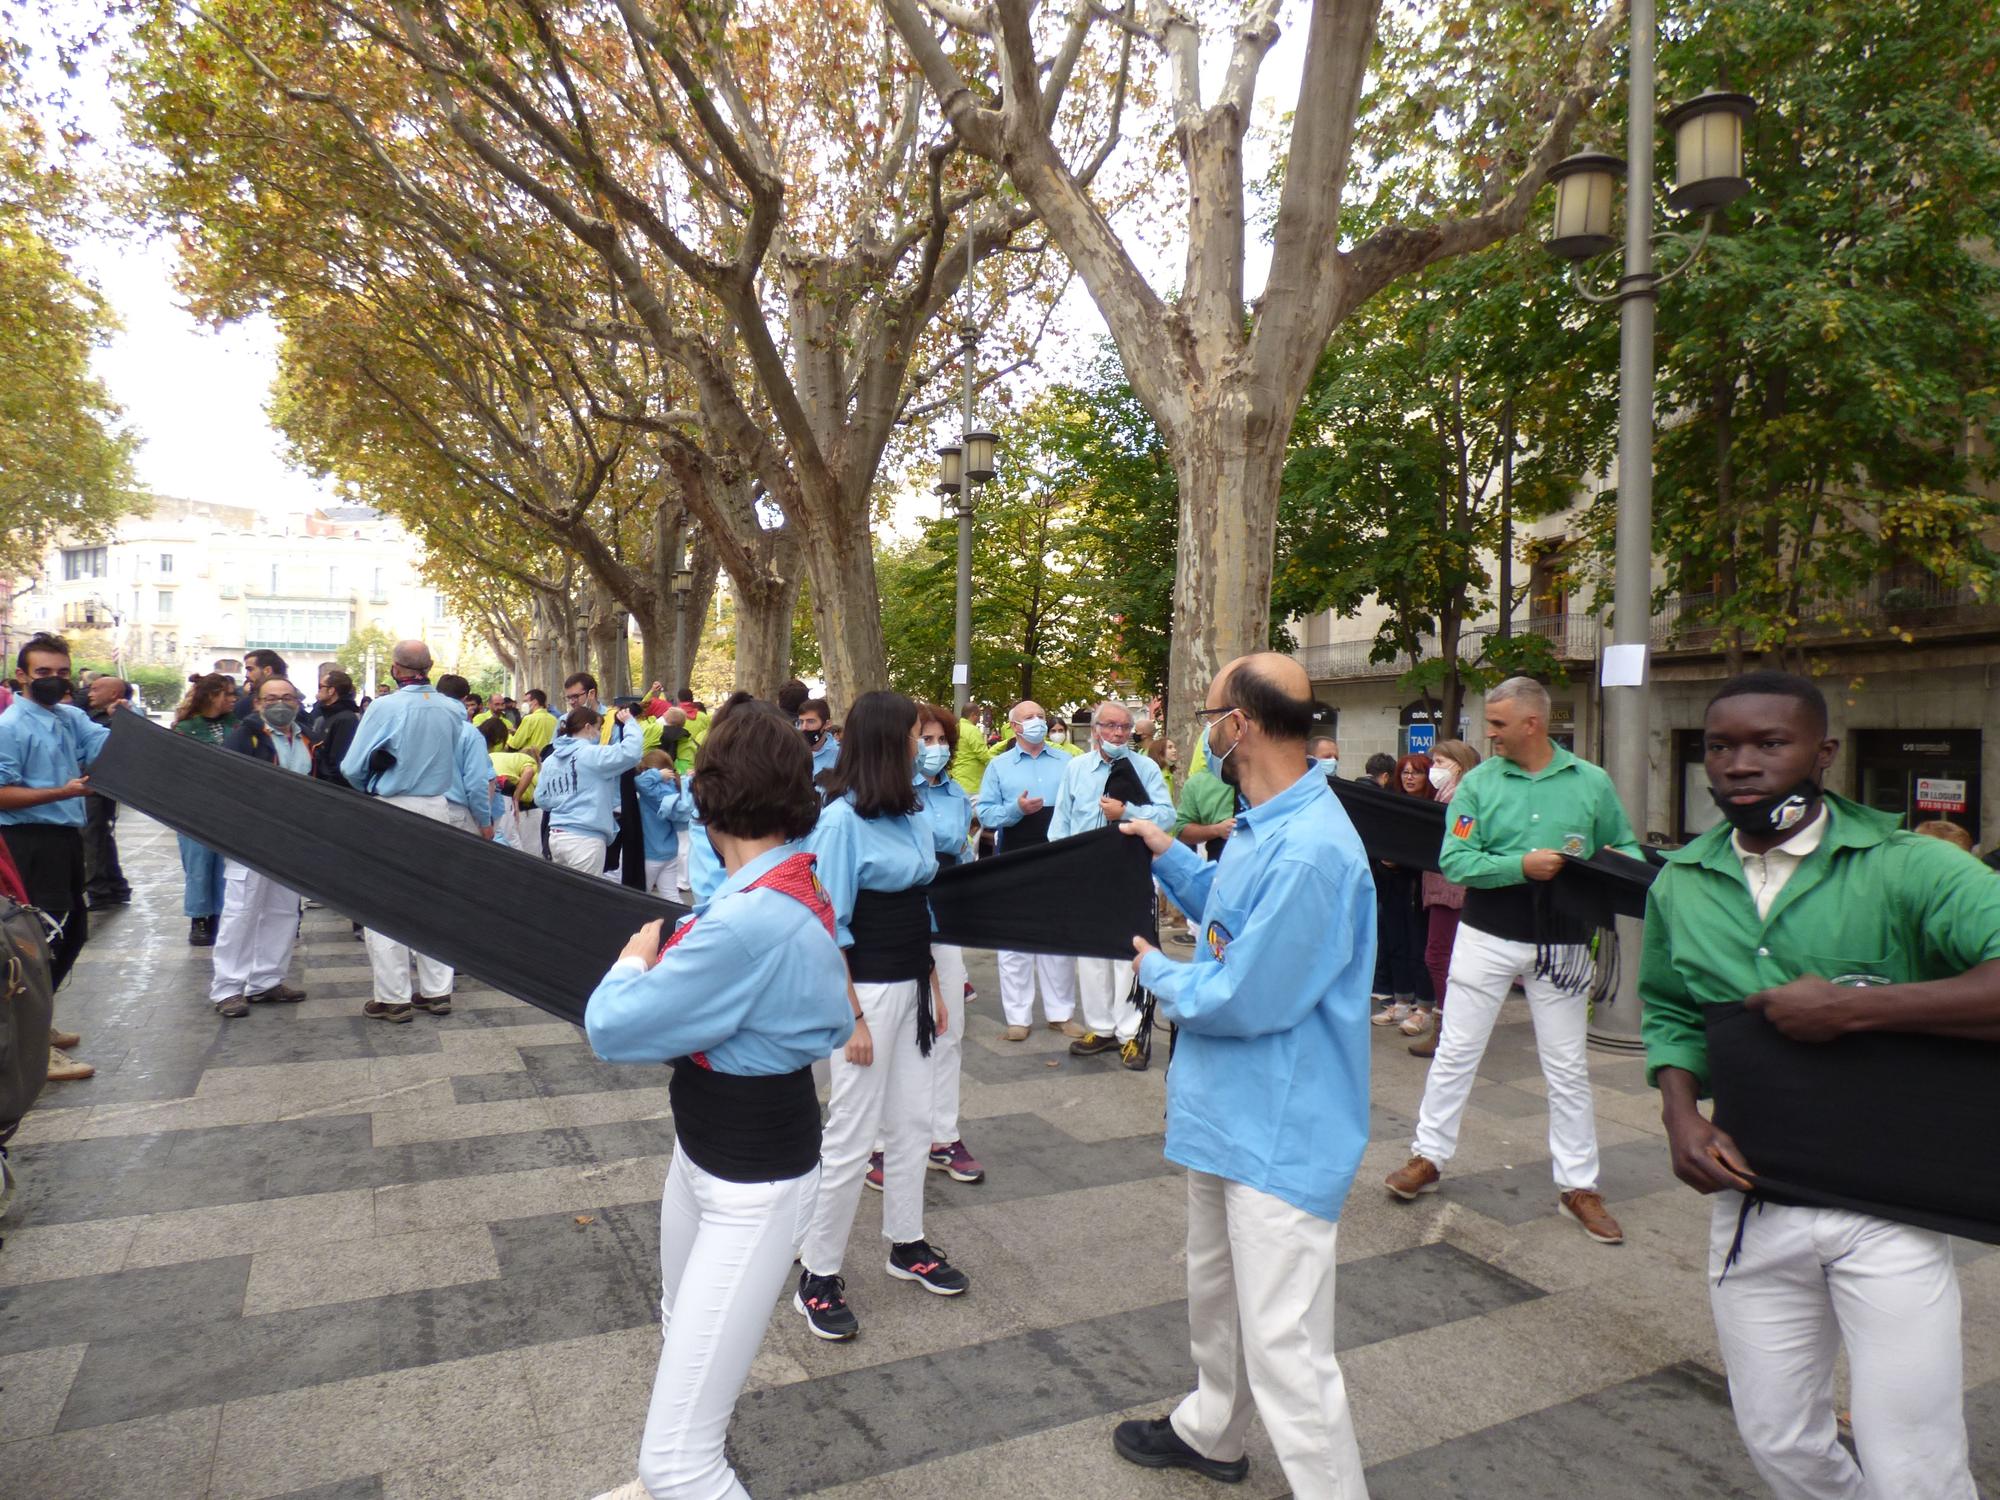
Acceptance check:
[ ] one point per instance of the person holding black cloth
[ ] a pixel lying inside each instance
(1016, 803)
(742, 999)
(1828, 922)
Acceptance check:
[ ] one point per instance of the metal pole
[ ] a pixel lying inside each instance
(968, 339)
(1616, 1021)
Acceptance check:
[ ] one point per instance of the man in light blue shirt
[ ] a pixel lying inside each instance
(1110, 1019)
(1267, 1100)
(1017, 796)
(814, 716)
(475, 766)
(407, 751)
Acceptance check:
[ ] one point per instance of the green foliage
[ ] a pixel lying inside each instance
(1835, 357)
(158, 687)
(353, 656)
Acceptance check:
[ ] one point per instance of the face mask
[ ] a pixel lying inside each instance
(1113, 752)
(814, 737)
(49, 691)
(1059, 736)
(1779, 814)
(1034, 731)
(932, 759)
(279, 715)
(1330, 764)
(1443, 777)
(1219, 760)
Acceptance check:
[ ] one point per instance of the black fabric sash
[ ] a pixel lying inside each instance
(1030, 833)
(1409, 831)
(1891, 1124)
(537, 930)
(742, 1128)
(892, 936)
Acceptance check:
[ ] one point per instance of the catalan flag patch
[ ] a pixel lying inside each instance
(1461, 827)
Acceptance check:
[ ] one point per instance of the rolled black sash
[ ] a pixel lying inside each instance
(1885, 1123)
(745, 1128)
(1030, 831)
(892, 943)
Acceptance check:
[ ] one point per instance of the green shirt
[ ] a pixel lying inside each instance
(968, 761)
(537, 731)
(1873, 900)
(1206, 798)
(1501, 812)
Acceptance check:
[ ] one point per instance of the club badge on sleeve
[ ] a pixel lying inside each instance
(1461, 826)
(1218, 940)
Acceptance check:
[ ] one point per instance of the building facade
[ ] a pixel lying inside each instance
(192, 586)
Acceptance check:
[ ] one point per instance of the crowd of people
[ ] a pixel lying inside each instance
(805, 848)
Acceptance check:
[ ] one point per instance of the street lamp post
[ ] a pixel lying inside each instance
(683, 587)
(962, 465)
(1708, 133)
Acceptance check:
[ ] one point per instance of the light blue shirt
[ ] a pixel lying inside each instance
(663, 810)
(1083, 784)
(1012, 772)
(291, 751)
(826, 755)
(578, 784)
(43, 747)
(421, 728)
(704, 864)
(949, 811)
(890, 853)
(475, 775)
(756, 986)
(1269, 1085)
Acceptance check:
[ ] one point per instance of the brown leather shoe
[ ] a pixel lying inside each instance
(1017, 1033)
(234, 1008)
(1417, 1175)
(375, 1010)
(1587, 1208)
(437, 1005)
(64, 1039)
(278, 994)
(1428, 1047)
(1090, 1044)
(1072, 1028)
(64, 1069)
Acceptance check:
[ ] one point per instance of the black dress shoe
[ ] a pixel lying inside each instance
(201, 932)
(1155, 1445)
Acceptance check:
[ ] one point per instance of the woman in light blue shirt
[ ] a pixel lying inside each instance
(877, 851)
(577, 788)
(742, 999)
(950, 813)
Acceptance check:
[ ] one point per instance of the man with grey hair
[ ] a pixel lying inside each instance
(1510, 824)
(1016, 801)
(1097, 789)
(406, 751)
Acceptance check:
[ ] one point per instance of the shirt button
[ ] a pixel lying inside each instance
(1763, 952)
(1535, 818)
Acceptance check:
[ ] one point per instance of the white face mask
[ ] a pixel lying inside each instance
(1443, 777)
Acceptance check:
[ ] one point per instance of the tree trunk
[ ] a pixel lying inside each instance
(1228, 465)
(607, 632)
(847, 614)
(764, 610)
(1450, 626)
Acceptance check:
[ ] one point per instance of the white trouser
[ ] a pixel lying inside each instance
(1018, 973)
(260, 923)
(677, 871)
(579, 851)
(390, 960)
(1104, 985)
(947, 1051)
(529, 825)
(1807, 1281)
(1483, 969)
(891, 1095)
(1260, 1326)
(725, 1251)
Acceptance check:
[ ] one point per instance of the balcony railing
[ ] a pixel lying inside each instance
(1688, 623)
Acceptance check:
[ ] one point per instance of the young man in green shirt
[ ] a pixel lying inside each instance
(1510, 823)
(1827, 920)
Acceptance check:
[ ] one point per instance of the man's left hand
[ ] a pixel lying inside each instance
(644, 944)
(1810, 1009)
(1140, 948)
(1158, 840)
(1112, 808)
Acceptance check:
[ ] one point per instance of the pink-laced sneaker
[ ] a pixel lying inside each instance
(957, 1163)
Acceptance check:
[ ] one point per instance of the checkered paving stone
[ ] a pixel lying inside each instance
(304, 1254)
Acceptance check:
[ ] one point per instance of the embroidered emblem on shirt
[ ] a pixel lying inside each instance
(1461, 827)
(1575, 845)
(1218, 939)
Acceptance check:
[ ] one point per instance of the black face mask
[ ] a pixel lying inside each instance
(814, 737)
(49, 691)
(1776, 814)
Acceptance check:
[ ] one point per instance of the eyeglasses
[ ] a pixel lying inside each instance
(573, 697)
(283, 698)
(1212, 715)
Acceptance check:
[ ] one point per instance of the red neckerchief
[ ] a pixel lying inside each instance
(791, 877)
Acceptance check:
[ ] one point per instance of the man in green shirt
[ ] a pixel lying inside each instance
(1509, 825)
(537, 730)
(1828, 920)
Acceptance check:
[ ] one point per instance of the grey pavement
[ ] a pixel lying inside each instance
(305, 1254)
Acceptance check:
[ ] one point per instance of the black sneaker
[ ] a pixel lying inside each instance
(201, 932)
(918, 1262)
(823, 1299)
(1155, 1445)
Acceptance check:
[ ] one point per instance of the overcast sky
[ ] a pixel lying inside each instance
(197, 397)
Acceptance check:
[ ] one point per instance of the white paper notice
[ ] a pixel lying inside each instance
(961, 674)
(1624, 666)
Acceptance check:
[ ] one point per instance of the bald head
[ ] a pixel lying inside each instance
(105, 691)
(411, 656)
(1269, 690)
(1274, 668)
(1023, 711)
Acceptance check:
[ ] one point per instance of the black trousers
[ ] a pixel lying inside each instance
(104, 877)
(50, 859)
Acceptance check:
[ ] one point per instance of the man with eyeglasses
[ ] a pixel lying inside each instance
(1097, 790)
(260, 918)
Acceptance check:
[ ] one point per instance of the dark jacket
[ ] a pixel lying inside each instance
(252, 736)
(331, 731)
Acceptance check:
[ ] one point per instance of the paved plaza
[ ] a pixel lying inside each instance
(305, 1254)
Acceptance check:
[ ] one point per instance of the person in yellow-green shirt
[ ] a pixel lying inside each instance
(537, 729)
